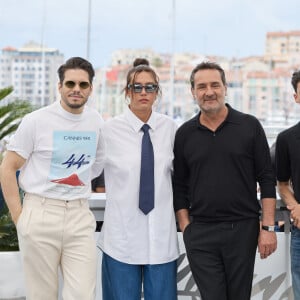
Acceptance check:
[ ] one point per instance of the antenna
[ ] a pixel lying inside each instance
(172, 67)
(88, 30)
(43, 54)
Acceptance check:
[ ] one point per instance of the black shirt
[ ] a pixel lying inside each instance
(98, 182)
(216, 173)
(288, 158)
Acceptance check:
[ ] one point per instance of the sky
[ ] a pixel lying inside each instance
(212, 27)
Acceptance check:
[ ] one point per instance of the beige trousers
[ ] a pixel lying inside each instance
(55, 233)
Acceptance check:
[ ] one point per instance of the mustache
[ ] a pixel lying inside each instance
(75, 94)
(213, 97)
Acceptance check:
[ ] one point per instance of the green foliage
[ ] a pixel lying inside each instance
(157, 62)
(11, 113)
(8, 233)
(10, 117)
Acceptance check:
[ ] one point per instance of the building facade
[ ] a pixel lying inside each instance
(283, 46)
(32, 71)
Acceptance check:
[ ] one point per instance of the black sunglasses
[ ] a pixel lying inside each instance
(137, 87)
(83, 84)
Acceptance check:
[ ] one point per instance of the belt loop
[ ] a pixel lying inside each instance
(43, 200)
(81, 202)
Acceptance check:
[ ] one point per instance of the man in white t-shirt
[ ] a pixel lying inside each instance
(59, 150)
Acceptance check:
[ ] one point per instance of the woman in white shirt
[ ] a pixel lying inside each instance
(139, 246)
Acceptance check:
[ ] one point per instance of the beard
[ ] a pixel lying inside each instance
(75, 104)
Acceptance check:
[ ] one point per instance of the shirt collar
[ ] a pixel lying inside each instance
(233, 116)
(298, 129)
(136, 123)
(68, 115)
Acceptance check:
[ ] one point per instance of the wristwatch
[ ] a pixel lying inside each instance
(268, 228)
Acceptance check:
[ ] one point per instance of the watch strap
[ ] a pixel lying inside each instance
(268, 228)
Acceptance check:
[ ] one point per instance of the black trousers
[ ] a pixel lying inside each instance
(221, 257)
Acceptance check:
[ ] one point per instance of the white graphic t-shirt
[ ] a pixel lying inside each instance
(63, 152)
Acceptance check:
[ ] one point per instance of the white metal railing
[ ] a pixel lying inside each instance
(271, 281)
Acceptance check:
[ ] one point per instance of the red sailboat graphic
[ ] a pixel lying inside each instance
(70, 180)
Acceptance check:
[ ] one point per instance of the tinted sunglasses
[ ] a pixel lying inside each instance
(137, 87)
(83, 84)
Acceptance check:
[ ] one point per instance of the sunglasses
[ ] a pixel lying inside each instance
(137, 87)
(83, 84)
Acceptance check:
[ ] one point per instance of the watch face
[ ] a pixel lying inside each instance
(268, 228)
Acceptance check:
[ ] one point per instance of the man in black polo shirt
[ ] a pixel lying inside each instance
(288, 176)
(220, 155)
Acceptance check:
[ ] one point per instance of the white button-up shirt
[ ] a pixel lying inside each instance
(128, 235)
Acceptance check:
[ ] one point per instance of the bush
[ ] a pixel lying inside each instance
(11, 115)
(8, 232)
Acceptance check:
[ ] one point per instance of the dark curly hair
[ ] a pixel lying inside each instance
(207, 65)
(295, 80)
(76, 63)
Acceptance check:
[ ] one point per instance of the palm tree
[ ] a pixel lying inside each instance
(10, 118)
(11, 113)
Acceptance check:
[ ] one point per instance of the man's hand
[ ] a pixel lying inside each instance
(15, 216)
(9, 166)
(183, 219)
(295, 214)
(267, 243)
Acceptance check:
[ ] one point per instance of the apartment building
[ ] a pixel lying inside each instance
(32, 71)
(283, 46)
(127, 56)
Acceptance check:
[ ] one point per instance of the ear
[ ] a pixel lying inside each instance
(127, 96)
(297, 98)
(193, 93)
